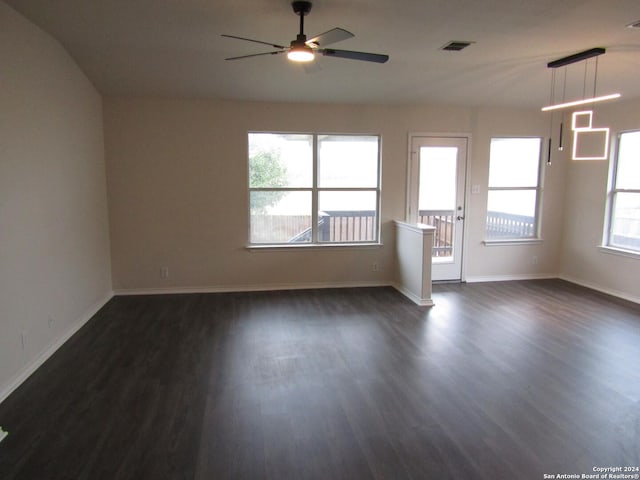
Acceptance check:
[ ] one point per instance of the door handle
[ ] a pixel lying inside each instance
(460, 217)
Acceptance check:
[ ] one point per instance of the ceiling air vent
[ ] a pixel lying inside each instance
(634, 24)
(456, 46)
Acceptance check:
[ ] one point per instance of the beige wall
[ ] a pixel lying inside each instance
(177, 193)
(518, 260)
(585, 198)
(54, 239)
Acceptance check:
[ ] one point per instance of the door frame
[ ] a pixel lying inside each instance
(409, 193)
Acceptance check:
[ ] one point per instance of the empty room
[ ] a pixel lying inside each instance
(319, 240)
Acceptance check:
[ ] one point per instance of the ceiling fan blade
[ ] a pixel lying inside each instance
(256, 55)
(254, 41)
(367, 57)
(332, 36)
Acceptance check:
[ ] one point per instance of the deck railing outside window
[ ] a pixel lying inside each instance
(507, 225)
(333, 226)
(341, 226)
(359, 226)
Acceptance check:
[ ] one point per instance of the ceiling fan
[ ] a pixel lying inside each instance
(303, 50)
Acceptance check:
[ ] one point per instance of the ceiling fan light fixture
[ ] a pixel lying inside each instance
(300, 53)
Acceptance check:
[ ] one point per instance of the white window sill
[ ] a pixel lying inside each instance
(515, 241)
(619, 251)
(312, 246)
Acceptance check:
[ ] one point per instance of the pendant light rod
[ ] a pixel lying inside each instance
(576, 57)
(560, 145)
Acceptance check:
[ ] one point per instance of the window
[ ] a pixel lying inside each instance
(313, 189)
(514, 187)
(624, 196)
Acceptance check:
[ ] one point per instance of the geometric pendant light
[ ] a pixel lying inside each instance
(586, 138)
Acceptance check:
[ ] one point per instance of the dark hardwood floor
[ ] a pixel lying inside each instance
(497, 381)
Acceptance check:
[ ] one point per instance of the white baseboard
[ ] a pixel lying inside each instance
(247, 288)
(599, 288)
(568, 278)
(423, 302)
(270, 287)
(33, 365)
(509, 278)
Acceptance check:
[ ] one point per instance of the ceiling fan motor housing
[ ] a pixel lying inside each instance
(301, 8)
(300, 41)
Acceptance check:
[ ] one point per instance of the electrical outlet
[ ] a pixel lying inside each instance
(374, 267)
(23, 339)
(164, 272)
(534, 260)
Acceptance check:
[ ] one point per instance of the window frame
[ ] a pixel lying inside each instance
(538, 189)
(607, 236)
(315, 191)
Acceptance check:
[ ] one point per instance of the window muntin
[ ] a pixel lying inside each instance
(624, 200)
(313, 189)
(514, 189)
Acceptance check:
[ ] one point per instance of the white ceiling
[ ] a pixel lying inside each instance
(173, 48)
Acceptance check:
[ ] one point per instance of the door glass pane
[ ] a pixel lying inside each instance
(280, 216)
(511, 214)
(437, 196)
(345, 216)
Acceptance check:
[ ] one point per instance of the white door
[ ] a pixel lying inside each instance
(437, 197)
